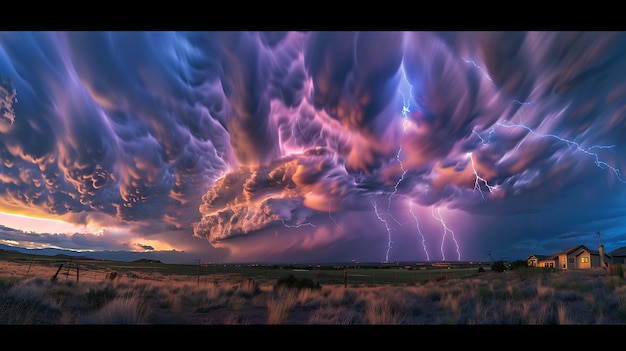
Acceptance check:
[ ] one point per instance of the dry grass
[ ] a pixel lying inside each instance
(568, 297)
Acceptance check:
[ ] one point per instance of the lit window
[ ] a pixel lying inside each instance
(584, 259)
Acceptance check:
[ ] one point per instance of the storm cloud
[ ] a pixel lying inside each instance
(243, 146)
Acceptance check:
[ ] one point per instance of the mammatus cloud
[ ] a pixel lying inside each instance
(271, 145)
(7, 99)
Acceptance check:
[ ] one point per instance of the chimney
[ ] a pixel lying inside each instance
(601, 251)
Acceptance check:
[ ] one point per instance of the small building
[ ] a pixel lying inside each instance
(618, 256)
(539, 261)
(575, 257)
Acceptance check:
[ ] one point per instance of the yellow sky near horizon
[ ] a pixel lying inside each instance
(41, 225)
(55, 226)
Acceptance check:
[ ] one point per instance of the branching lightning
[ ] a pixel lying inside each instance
(446, 230)
(332, 218)
(417, 226)
(479, 179)
(509, 124)
(406, 109)
(389, 239)
(404, 113)
(483, 140)
(395, 188)
(473, 63)
(601, 164)
(298, 225)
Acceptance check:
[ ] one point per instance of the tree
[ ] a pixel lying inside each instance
(519, 264)
(498, 266)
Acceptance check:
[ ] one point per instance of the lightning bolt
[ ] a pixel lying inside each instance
(406, 104)
(483, 140)
(380, 218)
(395, 188)
(406, 109)
(417, 226)
(446, 230)
(599, 163)
(509, 124)
(479, 179)
(473, 63)
(297, 225)
(332, 218)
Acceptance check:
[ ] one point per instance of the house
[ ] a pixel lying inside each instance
(539, 261)
(618, 256)
(575, 257)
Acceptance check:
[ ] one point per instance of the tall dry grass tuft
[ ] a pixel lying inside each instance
(23, 301)
(382, 311)
(616, 270)
(562, 314)
(537, 314)
(121, 310)
(29, 291)
(621, 303)
(328, 314)
(279, 306)
(543, 291)
(248, 288)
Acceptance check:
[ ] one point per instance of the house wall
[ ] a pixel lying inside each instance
(618, 260)
(595, 261)
(546, 263)
(562, 262)
(586, 265)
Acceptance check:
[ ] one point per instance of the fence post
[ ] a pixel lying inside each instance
(54, 277)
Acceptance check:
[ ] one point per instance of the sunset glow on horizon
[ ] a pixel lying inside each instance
(41, 225)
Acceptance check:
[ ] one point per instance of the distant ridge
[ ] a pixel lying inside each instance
(168, 257)
(69, 257)
(143, 260)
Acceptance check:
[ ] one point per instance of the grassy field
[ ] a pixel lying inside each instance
(72, 268)
(59, 291)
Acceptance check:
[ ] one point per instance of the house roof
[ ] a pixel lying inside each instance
(573, 249)
(538, 257)
(620, 251)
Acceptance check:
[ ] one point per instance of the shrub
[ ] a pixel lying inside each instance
(498, 266)
(290, 281)
(616, 270)
(519, 264)
(97, 298)
(248, 289)
(122, 310)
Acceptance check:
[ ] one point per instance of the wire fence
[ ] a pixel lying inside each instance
(214, 274)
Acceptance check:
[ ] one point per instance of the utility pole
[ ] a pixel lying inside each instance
(491, 257)
(601, 250)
